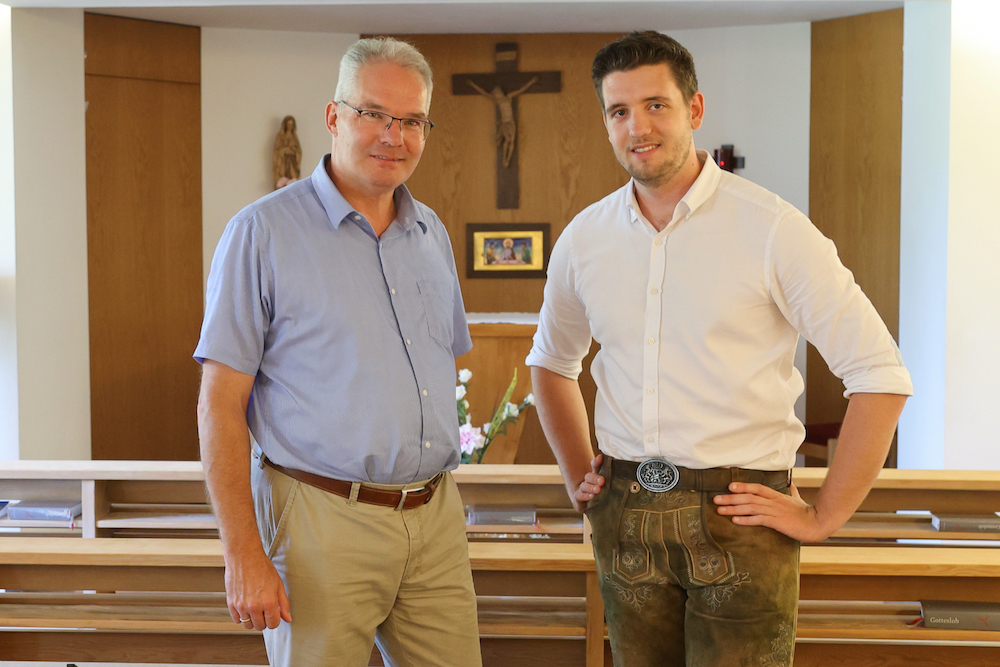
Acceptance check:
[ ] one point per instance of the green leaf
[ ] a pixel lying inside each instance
(498, 416)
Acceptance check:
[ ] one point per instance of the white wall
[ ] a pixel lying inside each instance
(972, 352)
(923, 229)
(250, 80)
(8, 330)
(756, 85)
(50, 200)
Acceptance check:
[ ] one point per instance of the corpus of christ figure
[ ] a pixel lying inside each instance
(506, 123)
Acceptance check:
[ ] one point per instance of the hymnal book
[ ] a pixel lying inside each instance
(500, 515)
(966, 523)
(961, 615)
(45, 510)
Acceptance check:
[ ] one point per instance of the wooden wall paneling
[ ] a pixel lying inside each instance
(145, 260)
(117, 46)
(854, 181)
(566, 162)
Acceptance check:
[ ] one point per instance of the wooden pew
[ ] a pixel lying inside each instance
(844, 607)
(169, 606)
(167, 603)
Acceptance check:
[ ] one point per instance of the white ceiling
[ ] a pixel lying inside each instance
(474, 16)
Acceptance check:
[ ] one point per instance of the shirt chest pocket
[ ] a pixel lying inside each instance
(438, 297)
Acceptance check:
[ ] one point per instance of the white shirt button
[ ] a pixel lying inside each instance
(408, 341)
(650, 439)
(427, 444)
(424, 392)
(652, 340)
(357, 217)
(392, 291)
(659, 241)
(653, 291)
(650, 390)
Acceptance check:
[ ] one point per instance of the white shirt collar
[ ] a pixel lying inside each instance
(703, 187)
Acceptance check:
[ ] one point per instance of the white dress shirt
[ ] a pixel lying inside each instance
(698, 323)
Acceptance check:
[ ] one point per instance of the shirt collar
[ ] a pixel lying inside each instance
(703, 187)
(339, 209)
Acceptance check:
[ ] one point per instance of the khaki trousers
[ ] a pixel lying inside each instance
(358, 573)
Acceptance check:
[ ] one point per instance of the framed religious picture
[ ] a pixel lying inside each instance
(506, 250)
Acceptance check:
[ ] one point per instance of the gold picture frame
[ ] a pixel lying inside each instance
(507, 250)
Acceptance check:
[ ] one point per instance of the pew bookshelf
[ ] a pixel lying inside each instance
(167, 498)
(166, 589)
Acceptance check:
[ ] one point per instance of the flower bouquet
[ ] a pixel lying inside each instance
(475, 439)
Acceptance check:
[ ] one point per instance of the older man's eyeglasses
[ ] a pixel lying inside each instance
(417, 128)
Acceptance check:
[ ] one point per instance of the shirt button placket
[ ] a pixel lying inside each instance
(651, 353)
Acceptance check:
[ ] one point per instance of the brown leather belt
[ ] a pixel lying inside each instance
(398, 500)
(709, 479)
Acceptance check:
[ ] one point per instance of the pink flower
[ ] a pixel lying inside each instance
(471, 438)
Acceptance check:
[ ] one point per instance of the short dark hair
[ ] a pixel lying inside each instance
(646, 48)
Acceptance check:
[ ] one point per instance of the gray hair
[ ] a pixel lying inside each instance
(375, 50)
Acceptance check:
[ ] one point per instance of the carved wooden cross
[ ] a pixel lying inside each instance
(503, 87)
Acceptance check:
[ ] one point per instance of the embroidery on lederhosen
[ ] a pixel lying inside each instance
(716, 595)
(635, 596)
(632, 560)
(781, 650)
(668, 500)
(707, 561)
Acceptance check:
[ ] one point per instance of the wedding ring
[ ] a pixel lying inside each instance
(244, 620)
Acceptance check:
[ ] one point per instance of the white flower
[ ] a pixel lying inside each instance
(464, 375)
(465, 405)
(470, 438)
(460, 393)
(468, 417)
(529, 399)
(511, 410)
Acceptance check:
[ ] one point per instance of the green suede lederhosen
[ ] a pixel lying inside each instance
(684, 585)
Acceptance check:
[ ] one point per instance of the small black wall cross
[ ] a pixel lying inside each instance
(503, 87)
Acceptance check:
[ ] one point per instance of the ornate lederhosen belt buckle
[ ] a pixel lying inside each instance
(657, 475)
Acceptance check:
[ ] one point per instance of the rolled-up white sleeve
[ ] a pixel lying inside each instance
(817, 294)
(563, 336)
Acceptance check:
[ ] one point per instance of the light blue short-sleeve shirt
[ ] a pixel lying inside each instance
(352, 338)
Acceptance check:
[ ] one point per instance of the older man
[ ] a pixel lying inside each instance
(334, 316)
(698, 284)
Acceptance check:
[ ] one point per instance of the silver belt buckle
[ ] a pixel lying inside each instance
(657, 475)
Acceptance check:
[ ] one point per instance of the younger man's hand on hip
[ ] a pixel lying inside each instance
(759, 505)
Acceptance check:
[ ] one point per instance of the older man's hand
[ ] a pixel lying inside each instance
(255, 593)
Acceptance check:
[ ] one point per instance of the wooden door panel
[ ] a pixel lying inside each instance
(145, 265)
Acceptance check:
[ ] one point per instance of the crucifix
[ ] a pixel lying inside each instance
(503, 87)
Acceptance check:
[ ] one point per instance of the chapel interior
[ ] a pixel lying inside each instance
(131, 135)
